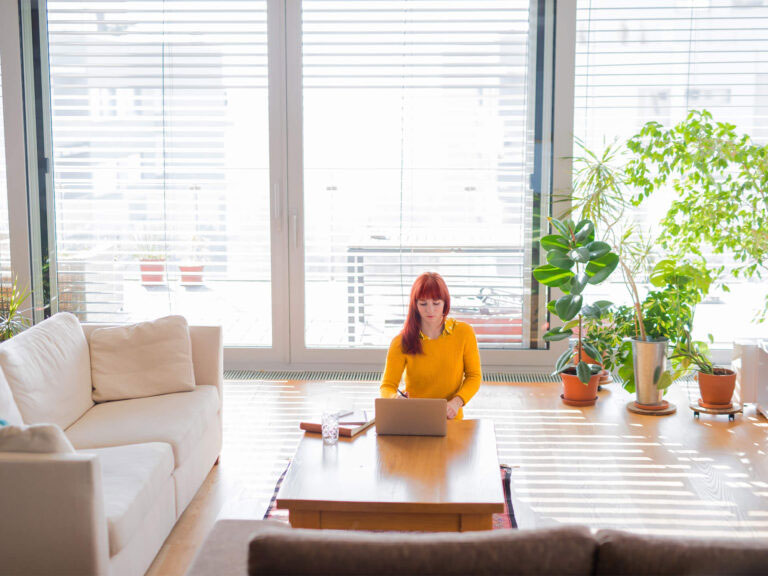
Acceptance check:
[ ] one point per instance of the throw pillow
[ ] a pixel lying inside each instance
(9, 412)
(144, 359)
(40, 438)
(49, 372)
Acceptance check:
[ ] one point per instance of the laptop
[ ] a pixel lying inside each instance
(411, 417)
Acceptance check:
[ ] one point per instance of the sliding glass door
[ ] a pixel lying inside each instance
(416, 135)
(160, 126)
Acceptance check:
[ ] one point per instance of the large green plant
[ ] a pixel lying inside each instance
(574, 260)
(667, 312)
(720, 180)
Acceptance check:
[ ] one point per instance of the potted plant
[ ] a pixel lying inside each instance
(641, 333)
(193, 264)
(12, 320)
(601, 334)
(152, 268)
(575, 260)
(716, 384)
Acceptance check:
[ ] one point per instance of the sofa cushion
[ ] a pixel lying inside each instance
(49, 371)
(179, 419)
(626, 553)
(39, 438)
(568, 550)
(133, 476)
(139, 360)
(9, 412)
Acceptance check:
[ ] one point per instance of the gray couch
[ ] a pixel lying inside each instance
(240, 547)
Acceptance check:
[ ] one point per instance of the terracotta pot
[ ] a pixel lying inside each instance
(575, 391)
(192, 274)
(152, 271)
(717, 388)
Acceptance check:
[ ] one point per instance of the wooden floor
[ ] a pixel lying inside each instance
(600, 466)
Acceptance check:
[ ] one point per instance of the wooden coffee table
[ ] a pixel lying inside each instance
(375, 482)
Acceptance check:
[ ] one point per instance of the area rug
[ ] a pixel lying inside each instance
(502, 520)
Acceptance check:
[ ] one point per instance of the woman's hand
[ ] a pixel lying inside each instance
(453, 407)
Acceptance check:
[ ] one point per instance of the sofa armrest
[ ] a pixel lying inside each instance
(53, 514)
(208, 356)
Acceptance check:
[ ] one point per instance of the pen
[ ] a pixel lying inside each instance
(403, 394)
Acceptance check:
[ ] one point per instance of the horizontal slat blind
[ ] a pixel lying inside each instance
(415, 152)
(655, 60)
(160, 139)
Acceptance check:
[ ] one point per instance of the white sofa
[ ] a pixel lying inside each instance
(108, 507)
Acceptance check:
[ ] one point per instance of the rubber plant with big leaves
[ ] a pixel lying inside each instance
(575, 260)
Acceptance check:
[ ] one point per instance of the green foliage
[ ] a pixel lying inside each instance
(12, 320)
(718, 176)
(667, 313)
(575, 260)
(689, 353)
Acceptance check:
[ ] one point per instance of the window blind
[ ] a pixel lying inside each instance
(655, 60)
(416, 153)
(160, 142)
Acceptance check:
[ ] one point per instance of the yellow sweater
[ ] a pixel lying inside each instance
(449, 366)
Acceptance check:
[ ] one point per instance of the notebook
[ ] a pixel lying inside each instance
(349, 424)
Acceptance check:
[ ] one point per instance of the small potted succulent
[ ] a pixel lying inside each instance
(574, 261)
(716, 384)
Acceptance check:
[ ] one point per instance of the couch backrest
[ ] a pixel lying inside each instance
(48, 369)
(278, 550)
(635, 554)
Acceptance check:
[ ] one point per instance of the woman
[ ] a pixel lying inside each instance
(439, 354)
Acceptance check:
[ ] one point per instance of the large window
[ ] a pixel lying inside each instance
(416, 148)
(643, 61)
(193, 174)
(161, 155)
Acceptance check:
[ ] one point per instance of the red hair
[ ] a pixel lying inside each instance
(428, 286)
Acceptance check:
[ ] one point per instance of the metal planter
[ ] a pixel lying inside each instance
(650, 362)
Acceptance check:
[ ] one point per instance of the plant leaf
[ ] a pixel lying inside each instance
(580, 254)
(560, 227)
(571, 324)
(560, 260)
(564, 360)
(584, 230)
(568, 306)
(598, 249)
(592, 351)
(552, 275)
(557, 334)
(578, 282)
(598, 270)
(583, 372)
(665, 381)
(555, 242)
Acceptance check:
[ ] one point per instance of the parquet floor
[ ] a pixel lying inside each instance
(599, 466)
